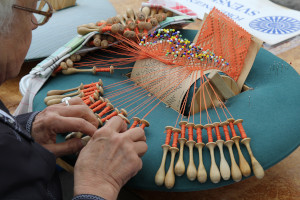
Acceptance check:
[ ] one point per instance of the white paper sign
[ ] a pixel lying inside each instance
(267, 21)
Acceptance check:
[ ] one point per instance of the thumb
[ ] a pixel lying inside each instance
(65, 148)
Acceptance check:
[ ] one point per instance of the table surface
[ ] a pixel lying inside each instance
(280, 182)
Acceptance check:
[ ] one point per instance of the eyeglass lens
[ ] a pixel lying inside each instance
(41, 6)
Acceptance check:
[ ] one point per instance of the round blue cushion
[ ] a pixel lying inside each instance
(271, 119)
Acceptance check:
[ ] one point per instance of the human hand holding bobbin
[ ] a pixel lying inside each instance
(110, 158)
(73, 115)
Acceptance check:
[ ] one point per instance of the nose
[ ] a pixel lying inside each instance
(34, 22)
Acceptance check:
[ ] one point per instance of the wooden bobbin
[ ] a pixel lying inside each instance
(89, 100)
(59, 92)
(180, 166)
(108, 117)
(123, 112)
(214, 174)
(244, 166)
(160, 174)
(108, 108)
(74, 71)
(126, 120)
(201, 172)
(236, 173)
(146, 11)
(47, 98)
(74, 135)
(98, 102)
(191, 171)
(85, 140)
(170, 176)
(58, 100)
(144, 123)
(99, 105)
(258, 170)
(224, 167)
(136, 121)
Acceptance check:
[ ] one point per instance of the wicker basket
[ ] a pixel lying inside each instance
(60, 4)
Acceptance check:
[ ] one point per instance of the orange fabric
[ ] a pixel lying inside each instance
(225, 38)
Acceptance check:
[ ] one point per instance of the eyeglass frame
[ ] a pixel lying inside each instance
(46, 14)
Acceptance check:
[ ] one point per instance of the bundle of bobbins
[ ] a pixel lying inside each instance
(216, 172)
(92, 96)
(133, 25)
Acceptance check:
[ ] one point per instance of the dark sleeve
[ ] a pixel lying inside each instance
(26, 120)
(87, 197)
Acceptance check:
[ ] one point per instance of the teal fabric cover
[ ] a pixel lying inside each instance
(62, 26)
(271, 119)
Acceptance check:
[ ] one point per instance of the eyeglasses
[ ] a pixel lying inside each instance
(42, 12)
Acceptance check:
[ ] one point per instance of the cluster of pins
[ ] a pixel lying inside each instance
(131, 25)
(92, 96)
(215, 174)
(177, 50)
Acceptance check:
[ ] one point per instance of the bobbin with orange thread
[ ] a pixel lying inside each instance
(176, 133)
(191, 169)
(214, 173)
(225, 129)
(124, 118)
(89, 100)
(123, 112)
(100, 83)
(108, 108)
(168, 134)
(160, 174)
(190, 127)
(208, 128)
(258, 170)
(98, 102)
(180, 166)
(198, 129)
(244, 166)
(136, 121)
(182, 124)
(105, 69)
(91, 88)
(230, 121)
(201, 172)
(144, 123)
(224, 167)
(239, 122)
(114, 113)
(94, 94)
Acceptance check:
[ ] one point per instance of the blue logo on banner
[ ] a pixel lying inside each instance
(277, 25)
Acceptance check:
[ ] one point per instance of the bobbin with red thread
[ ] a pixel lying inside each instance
(224, 125)
(124, 118)
(136, 121)
(182, 125)
(239, 122)
(176, 133)
(114, 113)
(198, 128)
(168, 134)
(208, 128)
(89, 100)
(105, 69)
(101, 105)
(108, 108)
(144, 123)
(98, 102)
(190, 127)
(230, 121)
(123, 112)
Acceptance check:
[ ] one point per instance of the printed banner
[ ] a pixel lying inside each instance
(265, 20)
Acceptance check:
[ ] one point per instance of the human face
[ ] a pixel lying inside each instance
(14, 45)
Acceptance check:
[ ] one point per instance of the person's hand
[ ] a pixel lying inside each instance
(59, 118)
(109, 160)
